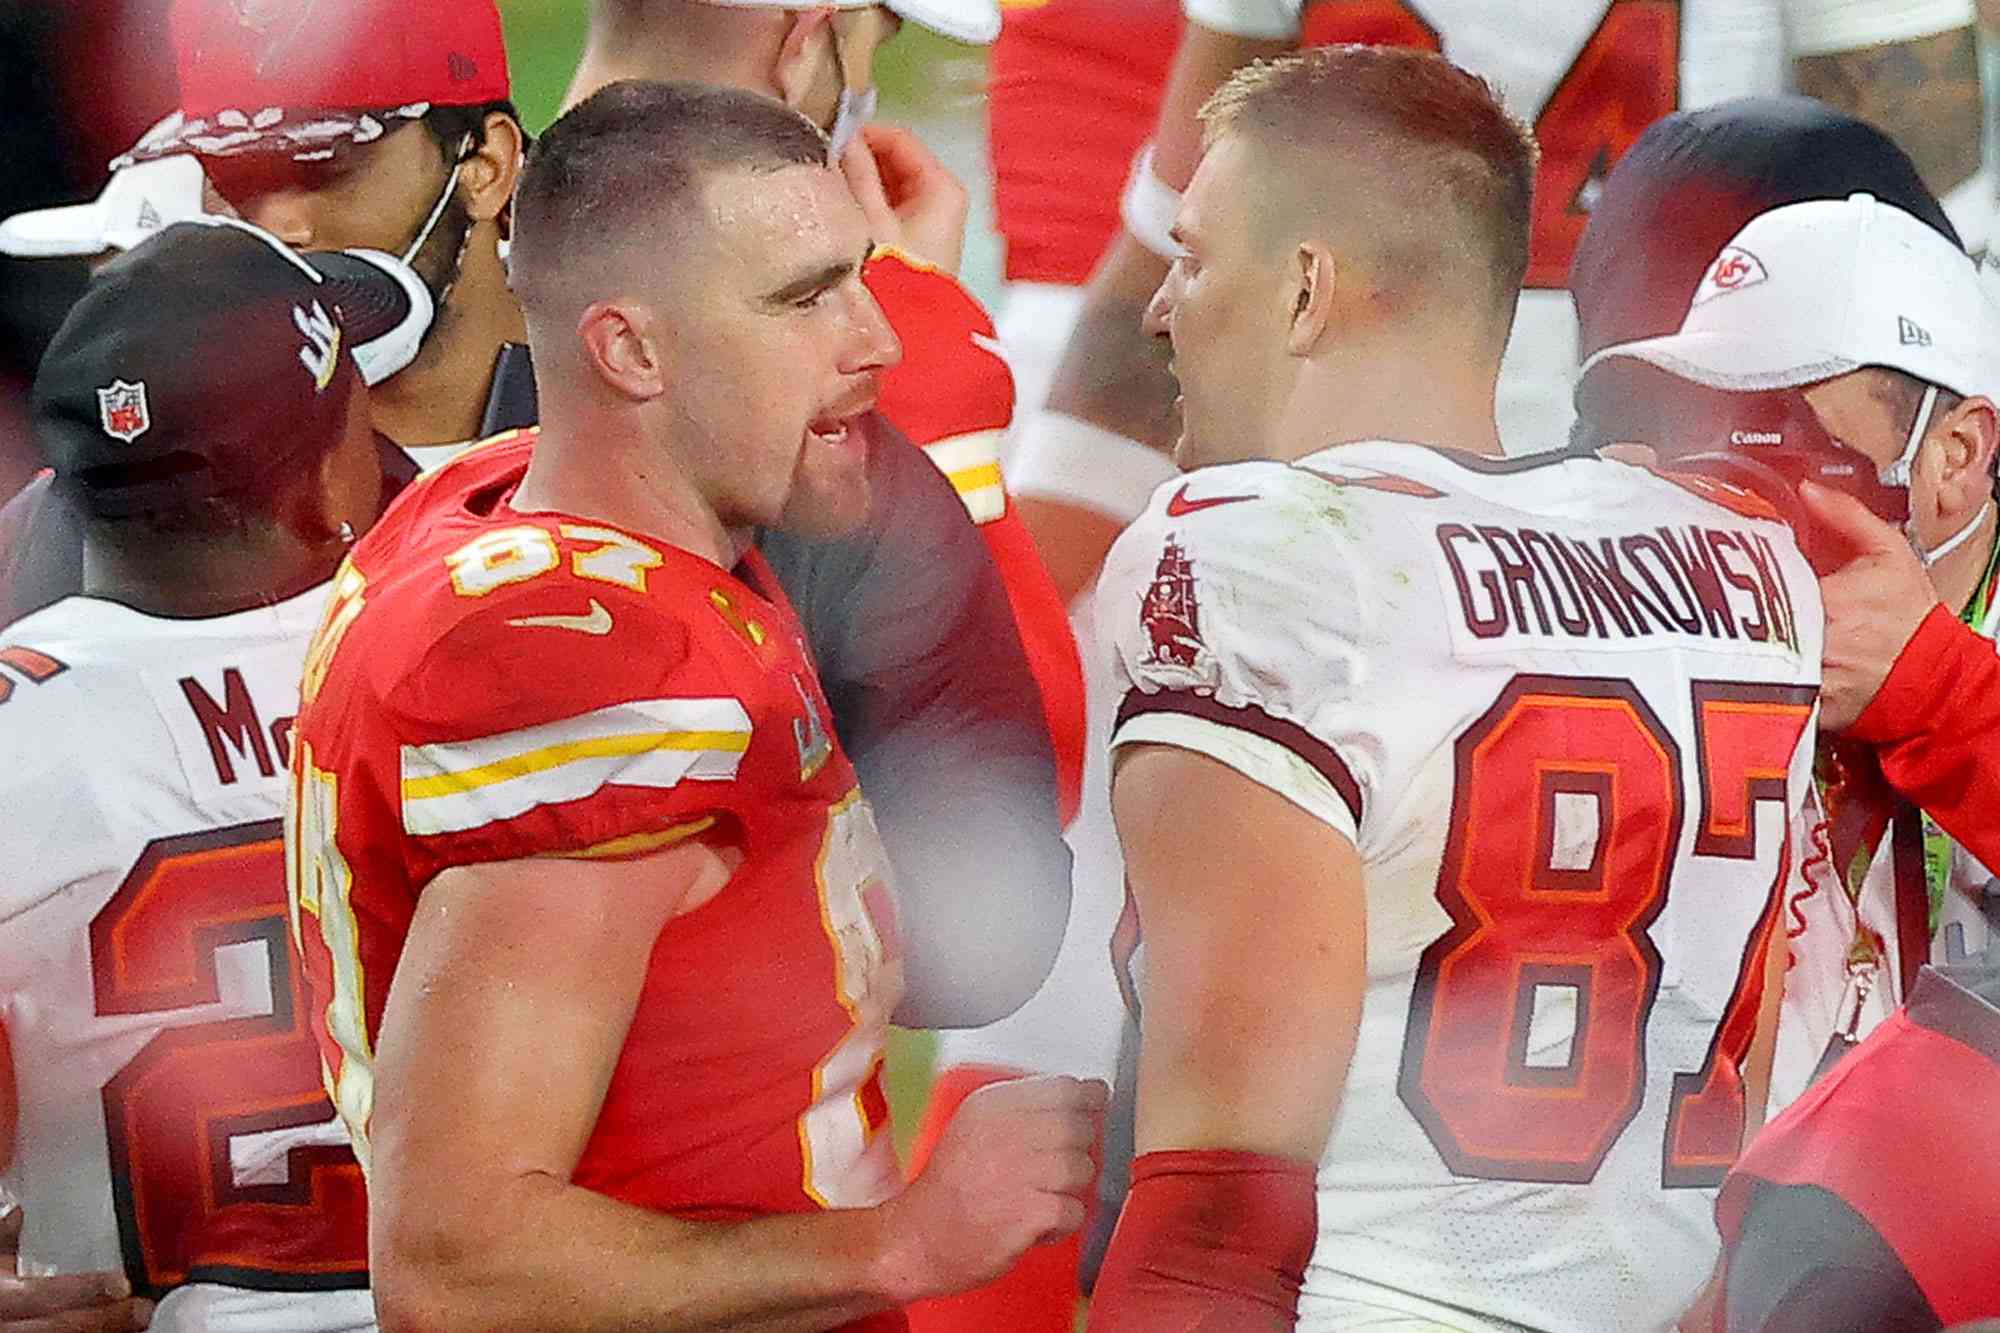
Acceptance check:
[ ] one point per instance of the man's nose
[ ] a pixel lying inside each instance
(286, 214)
(873, 344)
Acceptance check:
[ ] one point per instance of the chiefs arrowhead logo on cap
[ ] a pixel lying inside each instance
(121, 410)
(1733, 270)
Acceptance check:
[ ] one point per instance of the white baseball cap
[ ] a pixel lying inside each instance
(974, 21)
(1813, 290)
(138, 201)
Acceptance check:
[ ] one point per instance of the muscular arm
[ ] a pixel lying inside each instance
(1252, 916)
(505, 1020)
(1923, 93)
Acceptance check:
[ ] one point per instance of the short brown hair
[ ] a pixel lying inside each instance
(1449, 152)
(620, 164)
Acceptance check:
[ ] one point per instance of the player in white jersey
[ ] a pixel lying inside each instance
(202, 406)
(1593, 75)
(1455, 792)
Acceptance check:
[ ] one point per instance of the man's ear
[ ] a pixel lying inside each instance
(619, 345)
(803, 59)
(1970, 440)
(1311, 295)
(490, 175)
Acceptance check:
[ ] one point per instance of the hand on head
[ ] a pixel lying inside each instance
(910, 198)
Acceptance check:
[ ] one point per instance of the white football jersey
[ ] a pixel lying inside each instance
(172, 1118)
(1563, 708)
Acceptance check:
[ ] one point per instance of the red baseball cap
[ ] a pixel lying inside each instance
(306, 77)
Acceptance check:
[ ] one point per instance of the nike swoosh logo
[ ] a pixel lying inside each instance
(1181, 505)
(597, 622)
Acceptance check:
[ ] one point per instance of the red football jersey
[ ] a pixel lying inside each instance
(489, 685)
(1075, 89)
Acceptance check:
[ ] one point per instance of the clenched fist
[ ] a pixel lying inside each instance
(1013, 1169)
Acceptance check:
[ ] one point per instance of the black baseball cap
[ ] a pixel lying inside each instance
(1695, 178)
(209, 360)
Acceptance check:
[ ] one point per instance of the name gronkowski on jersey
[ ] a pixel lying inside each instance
(489, 685)
(172, 1118)
(1563, 709)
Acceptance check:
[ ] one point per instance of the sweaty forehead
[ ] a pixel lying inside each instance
(775, 218)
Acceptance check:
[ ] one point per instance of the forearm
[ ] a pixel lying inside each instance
(1944, 759)
(1113, 374)
(537, 1253)
(1923, 93)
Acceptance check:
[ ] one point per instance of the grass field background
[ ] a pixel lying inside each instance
(933, 85)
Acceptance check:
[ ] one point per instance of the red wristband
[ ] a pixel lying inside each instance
(1209, 1242)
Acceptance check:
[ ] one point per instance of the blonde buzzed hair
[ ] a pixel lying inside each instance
(1458, 168)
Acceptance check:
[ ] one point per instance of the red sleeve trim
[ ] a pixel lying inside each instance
(1314, 751)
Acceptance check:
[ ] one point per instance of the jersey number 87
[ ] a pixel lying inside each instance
(1522, 924)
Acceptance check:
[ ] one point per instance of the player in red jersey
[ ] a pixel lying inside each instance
(595, 915)
(953, 395)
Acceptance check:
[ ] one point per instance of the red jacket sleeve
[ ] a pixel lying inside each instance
(954, 397)
(1944, 758)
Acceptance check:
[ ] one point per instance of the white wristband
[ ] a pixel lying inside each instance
(1060, 457)
(1148, 207)
(1822, 27)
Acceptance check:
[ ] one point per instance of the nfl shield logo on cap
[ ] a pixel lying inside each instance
(121, 409)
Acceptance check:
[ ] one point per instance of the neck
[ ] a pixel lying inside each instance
(1957, 576)
(441, 397)
(678, 39)
(193, 578)
(1411, 395)
(634, 483)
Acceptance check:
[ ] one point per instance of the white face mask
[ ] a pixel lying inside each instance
(856, 110)
(1899, 473)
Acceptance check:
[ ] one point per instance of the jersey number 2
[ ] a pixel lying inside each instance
(208, 1175)
(1537, 914)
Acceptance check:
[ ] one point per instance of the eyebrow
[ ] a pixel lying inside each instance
(820, 279)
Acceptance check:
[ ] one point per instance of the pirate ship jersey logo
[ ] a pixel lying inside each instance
(1169, 611)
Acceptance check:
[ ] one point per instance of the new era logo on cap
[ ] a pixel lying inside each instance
(1733, 270)
(121, 410)
(1910, 333)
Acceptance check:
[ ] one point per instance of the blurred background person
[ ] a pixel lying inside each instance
(204, 411)
(1844, 1216)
